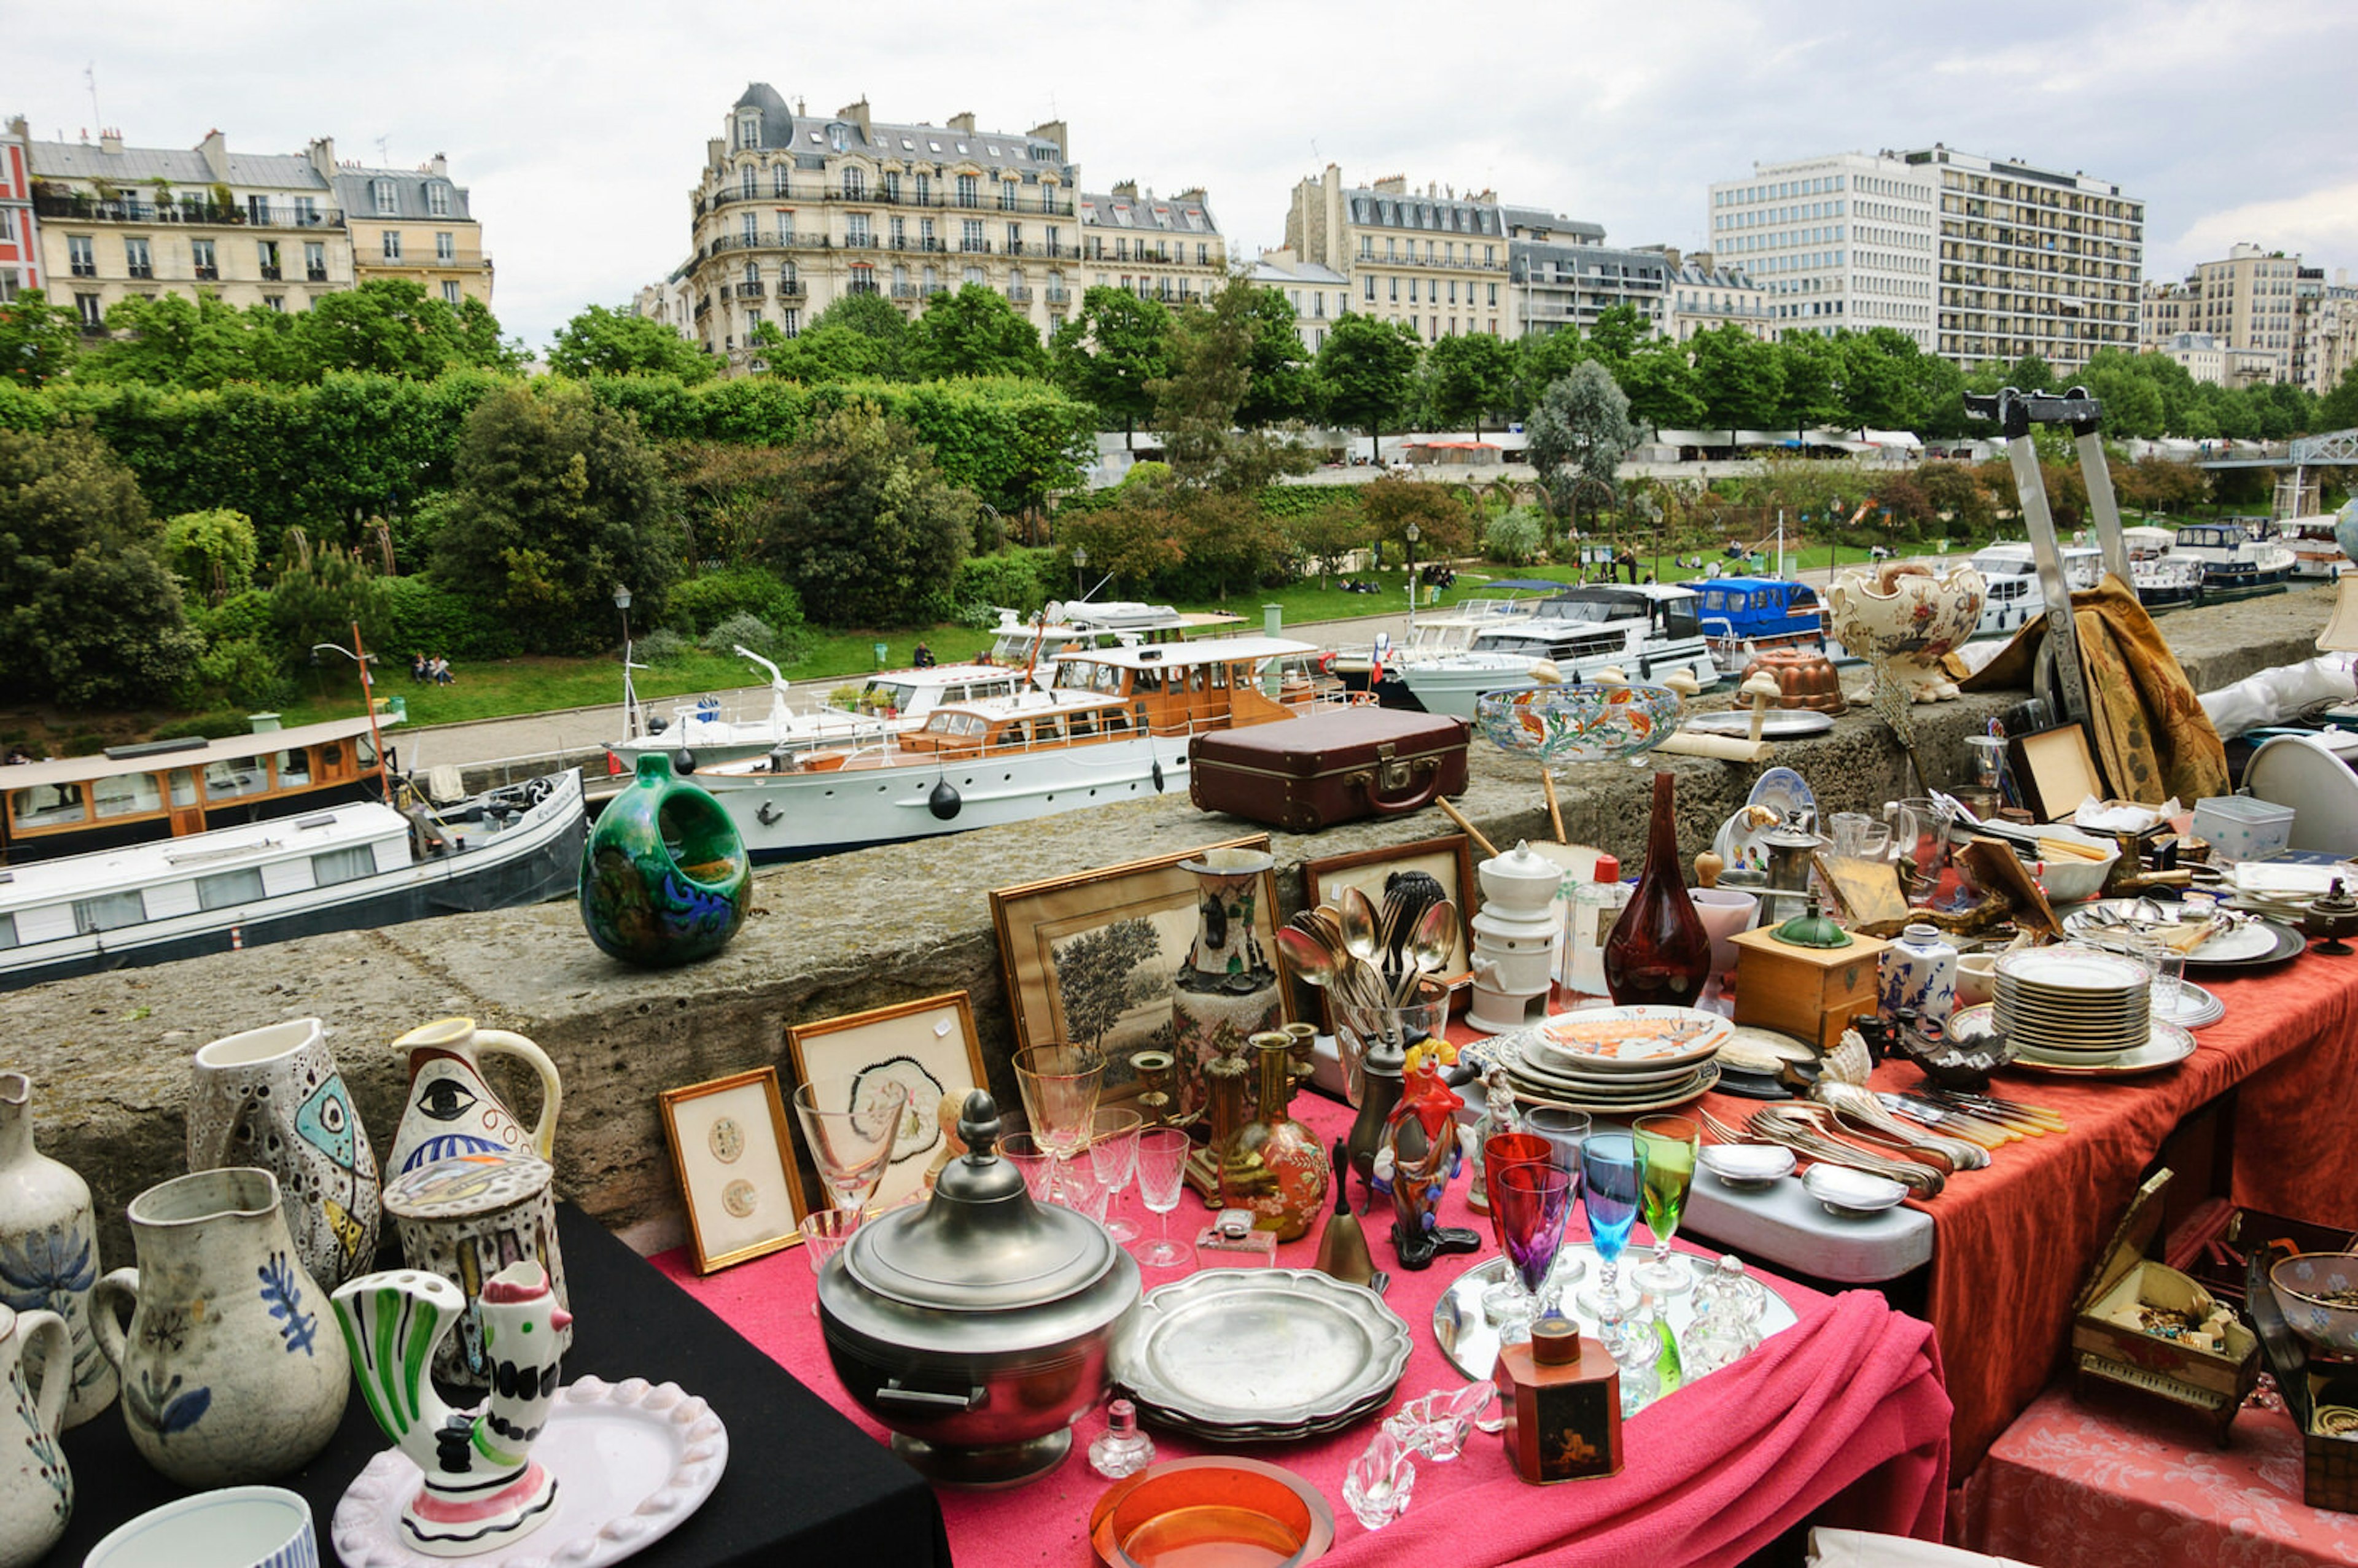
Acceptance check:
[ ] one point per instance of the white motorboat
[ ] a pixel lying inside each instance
(1097, 623)
(1112, 724)
(1647, 632)
(2012, 596)
(1436, 635)
(2315, 553)
(2235, 564)
(354, 866)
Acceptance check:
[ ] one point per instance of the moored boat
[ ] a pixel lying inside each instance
(2234, 564)
(1746, 615)
(1648, 632)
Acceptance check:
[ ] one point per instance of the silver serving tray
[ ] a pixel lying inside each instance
(1777, 724)
(1261, 1349)
(1471, 1340)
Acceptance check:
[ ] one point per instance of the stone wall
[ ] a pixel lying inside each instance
(108, 1054)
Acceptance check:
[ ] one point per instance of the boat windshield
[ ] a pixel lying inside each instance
(1087, 674)
(1593, 609)
(879, 694)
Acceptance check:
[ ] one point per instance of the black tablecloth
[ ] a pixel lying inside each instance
(803, 1484)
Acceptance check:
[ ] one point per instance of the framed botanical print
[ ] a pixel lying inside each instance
(929, 1047)
(734, 1157)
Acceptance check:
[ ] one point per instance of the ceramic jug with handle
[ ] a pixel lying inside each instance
(453, 1111)
(272, 1097)
(232, 1370)
(35, 1487)
(49, 1247)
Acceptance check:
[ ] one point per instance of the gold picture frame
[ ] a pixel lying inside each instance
(1122, 1006)
(929, 1046)
(733, 1153)
(1449, 859)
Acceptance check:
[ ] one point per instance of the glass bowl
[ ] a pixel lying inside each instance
(1557, 725)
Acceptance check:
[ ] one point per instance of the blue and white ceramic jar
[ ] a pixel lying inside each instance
(1920, 973)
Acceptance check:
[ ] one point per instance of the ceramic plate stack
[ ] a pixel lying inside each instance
(2073, 1003)
(1261, 1354)
(1615, 1060)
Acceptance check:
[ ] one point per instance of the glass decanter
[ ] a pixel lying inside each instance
(1658, 952)
(1726, 1323)
(1121, 1449)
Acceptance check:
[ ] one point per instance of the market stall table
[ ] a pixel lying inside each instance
(800, 1486)
(1843, 1411)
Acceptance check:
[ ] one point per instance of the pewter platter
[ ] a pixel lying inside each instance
(1260, 1349)
(1470, 1341)
(1776, 724)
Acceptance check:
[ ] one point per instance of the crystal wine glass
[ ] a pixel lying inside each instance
(1669, 1144)
(1613, 1169)
(1022, 1151)
(1531, 1201)
(1113, 1151)
(1508, 1304)
(1565, 1130)
(1060, 1086)
(825, 1232)
(1161, 1172)
(852, 1122)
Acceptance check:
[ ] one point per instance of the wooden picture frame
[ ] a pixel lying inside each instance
(2056, 771)
(1120, 1014)
(1448, 859)
(733, 1153)
(929, 1046)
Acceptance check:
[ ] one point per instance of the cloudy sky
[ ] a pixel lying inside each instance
(580, 126)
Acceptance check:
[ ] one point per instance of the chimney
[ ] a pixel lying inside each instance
(322, 154)
(1193, 193)
(1392, 185)
(963, 121)
(857, 114)
(17, 128)
(440, 167)
(110, 141)
(1056, 131)
(716, 153)
(215, 148)
(1125, 188)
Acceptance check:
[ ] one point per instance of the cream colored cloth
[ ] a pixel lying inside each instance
(1858, 1548)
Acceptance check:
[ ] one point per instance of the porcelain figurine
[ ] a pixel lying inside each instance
(48, 1249)
(452, 1110)
(1226, 990)
(1902, 618)
(664, 875)
(1422, 1142)
(228, 1373)
(1918, 975)
(272, 1098)
(35, 1487)
(1499, 1115)
(465, 1219)
(482, 1489)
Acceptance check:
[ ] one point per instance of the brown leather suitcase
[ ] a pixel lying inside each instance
(1303, 774)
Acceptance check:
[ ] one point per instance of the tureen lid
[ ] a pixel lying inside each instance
(980, 1243)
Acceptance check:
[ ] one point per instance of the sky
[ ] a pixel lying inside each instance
(579, 128)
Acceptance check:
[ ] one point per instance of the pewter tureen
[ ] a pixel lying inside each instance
(979, 1325)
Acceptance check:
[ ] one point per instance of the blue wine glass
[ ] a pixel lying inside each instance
(1613, 1169)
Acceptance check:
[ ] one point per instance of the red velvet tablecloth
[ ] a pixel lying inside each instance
(1844, 1411)
(2109, 1485)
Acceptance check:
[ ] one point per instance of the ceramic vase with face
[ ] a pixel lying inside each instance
(1920, 974)
(49, 1247)
(232, 1370)
(451, 1111)
(35, 1487)
(272, 1097)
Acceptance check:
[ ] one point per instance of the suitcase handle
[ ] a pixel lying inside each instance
(1396, 775)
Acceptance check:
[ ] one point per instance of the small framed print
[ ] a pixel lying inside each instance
(929, 1047)
(734, 1157)
(2056, 771)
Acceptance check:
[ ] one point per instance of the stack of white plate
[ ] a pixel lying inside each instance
(2073, 1001)
(1615, 1060)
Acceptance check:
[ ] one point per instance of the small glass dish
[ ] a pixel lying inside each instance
(1182, 1508)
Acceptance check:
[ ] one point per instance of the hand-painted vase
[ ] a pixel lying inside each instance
(664, 876)
(466, 1219)
(48, 1249)
(1918, 973)
(1226, 990)
(36, 1487)
(453, 1111)
(482, 1487)
(230, 1373)
(272, 1098)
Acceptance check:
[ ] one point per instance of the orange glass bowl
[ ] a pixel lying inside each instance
(1211, 1513)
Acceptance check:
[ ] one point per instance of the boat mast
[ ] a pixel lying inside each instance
(368, 700)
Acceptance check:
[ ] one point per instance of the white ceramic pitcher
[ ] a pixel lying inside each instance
(35, 1487)
(453, 1111)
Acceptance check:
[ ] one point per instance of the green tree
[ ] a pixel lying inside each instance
(2133, 402)
(819, 354)
(1578, 435)
(1660, 385)
(1809, 382)
(869, 532)
(1540, 361)
(1957, 495)
(1616, 333)
(1366, 374)
(880, 321)
(1467, 377)
(602, 342)
(1738, 378)
(1321, 535)
(37, 339)
(394, 327)
(174, 340)
(1282, 388)
(2338, 409)
(975, 332)
(1111, 353)
(214, 553)
(1195, 405)
(558, 501)
(1442, 526)
(321, 595)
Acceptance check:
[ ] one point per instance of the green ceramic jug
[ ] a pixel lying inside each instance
(664, 876)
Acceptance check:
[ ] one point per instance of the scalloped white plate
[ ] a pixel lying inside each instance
(632, 1460)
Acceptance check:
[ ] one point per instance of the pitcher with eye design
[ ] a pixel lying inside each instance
(450, 1110)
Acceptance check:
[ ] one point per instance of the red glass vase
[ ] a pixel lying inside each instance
(1659, 951)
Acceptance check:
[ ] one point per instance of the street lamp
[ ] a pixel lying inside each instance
(1080, 567)
(623, 603)
(629, 696)
(363, 658)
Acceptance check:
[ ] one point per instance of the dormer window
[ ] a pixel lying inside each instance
(837, 138)
(382, 192)
(749, 130)
(438, 200)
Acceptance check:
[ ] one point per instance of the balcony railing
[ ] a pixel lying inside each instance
(816, 190)
(754, 290)
(931, 289)
(858, 286)
(84, 209)
(270, 275)
(1059, 296)
(789, 288)
(315, 274)
(1019, 293)
(905, 291)
(208, 274)
(862, 241)
(974, 247)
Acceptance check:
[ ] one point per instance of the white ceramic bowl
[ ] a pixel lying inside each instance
(1847, 1192)
(1747, 1167)
(234, 1527)
(1977, 979)
(2067, 879)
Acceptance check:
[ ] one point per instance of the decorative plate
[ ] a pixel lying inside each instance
(2196, 1008)
(1739, 843)
(1268, 1348)
(1536, 1058)
(2070, 969)
(2289, 944)
(2168, 1047)
(632, 1460)
(1631, 1039)
(1784, 792)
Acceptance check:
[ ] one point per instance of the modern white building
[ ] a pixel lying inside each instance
(1848, 240)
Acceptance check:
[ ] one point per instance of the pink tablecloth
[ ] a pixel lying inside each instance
(2111, 1486)
(1845, 1411)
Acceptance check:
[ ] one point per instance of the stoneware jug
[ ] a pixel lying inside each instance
(272, 1098)
(453, 1111)
(49, 1247)
(664, 875)
(482, 1487)
(36, 1488)
(232, 1372)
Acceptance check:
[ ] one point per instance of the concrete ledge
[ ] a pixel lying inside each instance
(108, 1054)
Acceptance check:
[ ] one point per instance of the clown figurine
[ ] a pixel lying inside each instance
(1421, 1141)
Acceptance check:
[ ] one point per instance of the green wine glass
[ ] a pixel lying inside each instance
(1669, 1144)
